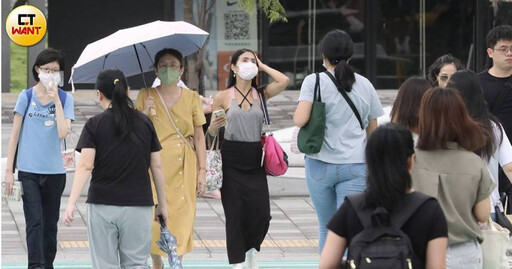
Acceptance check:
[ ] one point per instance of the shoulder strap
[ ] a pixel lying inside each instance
(358, 203)
(266, 118)
(28, 93)
(347, 98)
(317, 89)
(62, 97)
(399, 216)
(172, 121)
(407, 208)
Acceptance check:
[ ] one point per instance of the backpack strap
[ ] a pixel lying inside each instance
(347, 98)
(28, 93)
(364, 213)
(408, 207)
(62, 96)
(400, 214)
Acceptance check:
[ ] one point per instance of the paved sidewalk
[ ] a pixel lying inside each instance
(291, 242)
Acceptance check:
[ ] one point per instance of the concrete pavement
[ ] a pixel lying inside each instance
(291, 242)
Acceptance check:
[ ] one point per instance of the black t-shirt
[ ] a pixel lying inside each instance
(120, 175)
(427, 223)
(492, 88)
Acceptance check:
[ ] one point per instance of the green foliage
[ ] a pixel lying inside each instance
(272, 8)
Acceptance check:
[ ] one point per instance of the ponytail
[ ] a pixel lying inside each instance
(113, 85)
(337, 47)
(345, 76)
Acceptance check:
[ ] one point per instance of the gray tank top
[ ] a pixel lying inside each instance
(244, 126)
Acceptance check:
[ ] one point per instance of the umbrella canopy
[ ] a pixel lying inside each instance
(132, 50)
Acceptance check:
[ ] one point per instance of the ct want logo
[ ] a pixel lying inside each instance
(26, 25)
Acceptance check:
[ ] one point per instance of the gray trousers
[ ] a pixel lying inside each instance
(119, 236)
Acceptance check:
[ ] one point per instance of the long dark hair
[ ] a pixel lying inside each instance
(444, 118)
(468, 84)
(406, 108)
(337, 47)
(113, 85)
(387, 152)
(234, 60)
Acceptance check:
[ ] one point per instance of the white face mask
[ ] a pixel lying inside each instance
(247, 71)
(49, 79)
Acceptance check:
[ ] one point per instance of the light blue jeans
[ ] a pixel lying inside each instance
(328, 185)
(464, 256)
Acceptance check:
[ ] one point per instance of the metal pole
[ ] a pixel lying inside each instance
(309, 36)
(423, 66)
(6, 49)
(34, 50)
(313, 48)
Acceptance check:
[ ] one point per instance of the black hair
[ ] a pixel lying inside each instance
(234, 60)
(166, 51)
(501, 32)
(47, 56)
(435, 68)
(337, 46)
(113, 85)
(387, 153)
(468, 84)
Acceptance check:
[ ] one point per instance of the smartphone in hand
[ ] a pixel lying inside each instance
(219, 113)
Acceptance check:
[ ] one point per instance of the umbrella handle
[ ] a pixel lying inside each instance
(160, 219)
(152, 111)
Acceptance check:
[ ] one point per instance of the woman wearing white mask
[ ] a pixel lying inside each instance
(178, 117)
(245, 196)
(42, 117)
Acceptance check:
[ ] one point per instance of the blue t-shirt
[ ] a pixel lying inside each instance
(344, 140)
(39, 148)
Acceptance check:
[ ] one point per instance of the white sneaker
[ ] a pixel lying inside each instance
(238, 266)
(250, 258)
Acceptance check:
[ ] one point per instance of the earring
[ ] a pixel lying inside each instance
(234, 75)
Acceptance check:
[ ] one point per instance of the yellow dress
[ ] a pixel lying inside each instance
(179, 163)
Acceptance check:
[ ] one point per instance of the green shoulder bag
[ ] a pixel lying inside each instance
(311, 136)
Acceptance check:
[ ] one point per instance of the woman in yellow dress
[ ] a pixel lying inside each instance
(177, 115)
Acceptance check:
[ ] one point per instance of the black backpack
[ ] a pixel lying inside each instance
(382, 244)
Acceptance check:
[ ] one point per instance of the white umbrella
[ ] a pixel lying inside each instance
(132, 50)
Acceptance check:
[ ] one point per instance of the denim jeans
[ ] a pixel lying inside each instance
(328, 185)
(464, 256)
(41, 205)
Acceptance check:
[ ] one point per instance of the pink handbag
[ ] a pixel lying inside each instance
(275, 159)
